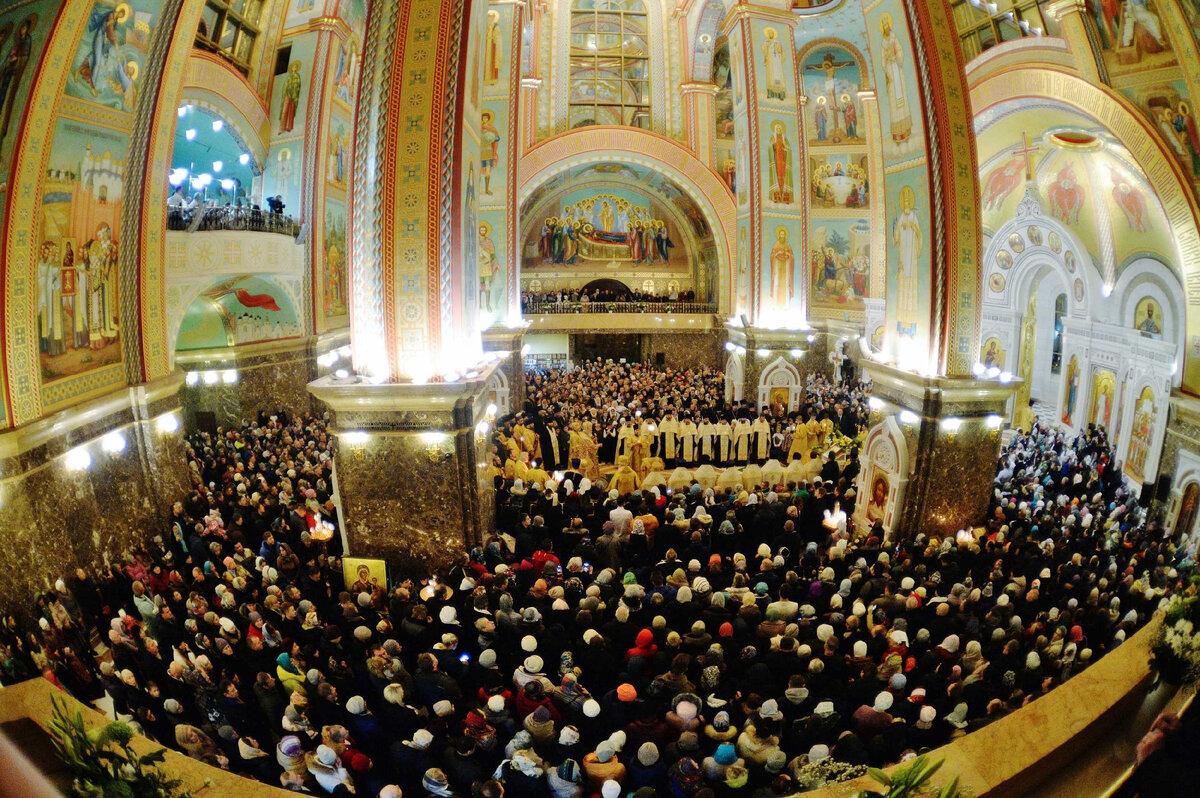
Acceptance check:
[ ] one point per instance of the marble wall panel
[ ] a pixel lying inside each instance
(54, 519)
(270, 382)
(686, 350)
(402, 500)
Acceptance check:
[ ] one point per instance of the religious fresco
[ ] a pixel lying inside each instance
(832, 80)
(23, 32)
(345, 73)
(840, 251)
(908, 244)
(1169, 108)
(1148, 318)
(339, 141)
(1104, 391)
(1071, 379)
(236, 311)
(1086, 180)
(299, 12)
(289, 90)
(490, 247)
(615, 227)
(839, 181)
(902, 132)
(774, 63)
(781, 248)
(779, 160)
(725, 159)
(112, 54)
(1141, 437)
(992, 354)
(1133, 37)
(334, 278)
(1186, 517)
(77, 266)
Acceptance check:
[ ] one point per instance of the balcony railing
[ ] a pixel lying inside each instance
(251, 219)
(536, 308)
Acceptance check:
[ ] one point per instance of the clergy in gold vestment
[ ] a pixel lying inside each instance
(668, 440)
(760, 431)
(741, 440)
(706, 433)
(625, 436)
(723, 442)
(687, 441)
(625, 481)
(800, 442)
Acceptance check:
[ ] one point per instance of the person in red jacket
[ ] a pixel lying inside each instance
(644, 647)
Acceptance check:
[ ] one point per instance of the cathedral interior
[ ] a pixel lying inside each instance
(391, 224)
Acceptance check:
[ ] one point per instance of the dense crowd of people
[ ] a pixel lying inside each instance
(669, 643)
(541, 301)
(602, 412)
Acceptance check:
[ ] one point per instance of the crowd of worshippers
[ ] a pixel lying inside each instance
(532, 299)
(704, 643)
(601, 411)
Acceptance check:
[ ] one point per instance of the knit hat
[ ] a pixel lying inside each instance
(533, 664)
(434, 780)
(326, 755)
(626, 693)
(647, 754)
(443, 708)
(776, 761)
(356, 705)
(422, 738)
(568, 736)
(569, 771)
(487, 658)
(883, 701)
(725, 754)
(611, 789)
(605, 751)
(496, 703)
(591, 708)
(528, 644)
(721, 721)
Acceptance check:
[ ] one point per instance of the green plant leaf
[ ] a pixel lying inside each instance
(879, 776)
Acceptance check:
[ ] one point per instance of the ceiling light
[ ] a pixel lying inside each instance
(190, 134)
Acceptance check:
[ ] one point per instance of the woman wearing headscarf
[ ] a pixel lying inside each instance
(199, 746)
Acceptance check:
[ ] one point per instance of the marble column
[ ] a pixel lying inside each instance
(411, 437)
(410, 467)
(505, 344)
(924, 435)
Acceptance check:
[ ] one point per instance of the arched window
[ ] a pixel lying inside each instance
(1060, 310)
(609, 64)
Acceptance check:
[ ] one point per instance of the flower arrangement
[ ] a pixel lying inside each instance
(814, 775)
(911, 781)
(1175, 647)
(104, 764)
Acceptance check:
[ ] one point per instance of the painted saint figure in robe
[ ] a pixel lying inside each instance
(899, 113)
(773, 62)
(13, 70)
(493, 49)
(906, 236)
(1072, 394)
(104, 68)
(783, 269)
(291, 98)
(489, 139)
(781, 165)
(489, 266)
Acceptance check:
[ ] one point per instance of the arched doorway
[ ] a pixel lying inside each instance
(643, 175)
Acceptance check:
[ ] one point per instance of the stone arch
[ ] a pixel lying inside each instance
(1021, 271)
(885, 464)
(638, 147)
(211, 84)
(1148, 277)
(780, 374)
(708, 24)
(498, 392)
(1163, 171)
(735, 375)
